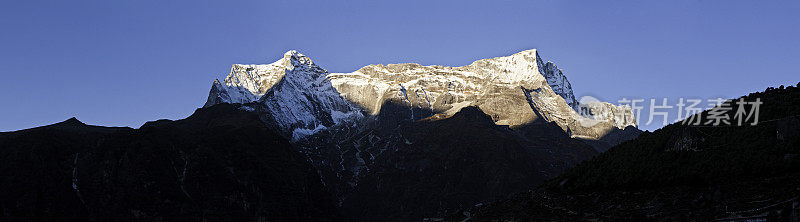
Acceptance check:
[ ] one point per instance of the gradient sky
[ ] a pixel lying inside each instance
(122, 63)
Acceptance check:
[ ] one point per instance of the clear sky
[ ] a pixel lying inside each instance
(122, 63)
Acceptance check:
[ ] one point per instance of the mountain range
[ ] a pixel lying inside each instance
(377, 125)
(499, 139)
(514, 90)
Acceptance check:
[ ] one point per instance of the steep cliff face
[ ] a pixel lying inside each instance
(559, 83)
(514, 90)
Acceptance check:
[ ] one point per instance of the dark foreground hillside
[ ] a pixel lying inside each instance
(452, 163)
(680, 173)
(220, 164)
(225, 163)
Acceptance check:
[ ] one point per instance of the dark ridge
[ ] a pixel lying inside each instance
(72, 121)
(680, 173)
(472, 114)
(72, 124)
(220, 164)
(444, 165)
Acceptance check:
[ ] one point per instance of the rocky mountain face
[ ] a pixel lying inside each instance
(378, 131)
(560, 85)
(513, 90)
(296, 92)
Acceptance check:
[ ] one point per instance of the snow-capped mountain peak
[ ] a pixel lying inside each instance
(293, 88)
(247, 83)
(293, 59)
(305, 98)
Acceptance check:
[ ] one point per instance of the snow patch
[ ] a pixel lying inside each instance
(300, 133)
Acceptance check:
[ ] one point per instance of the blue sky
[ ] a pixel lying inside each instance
(122, 63)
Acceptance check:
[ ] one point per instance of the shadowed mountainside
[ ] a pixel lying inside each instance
(448, 164)
(680, 172)
(219, 164)
(225, 162)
